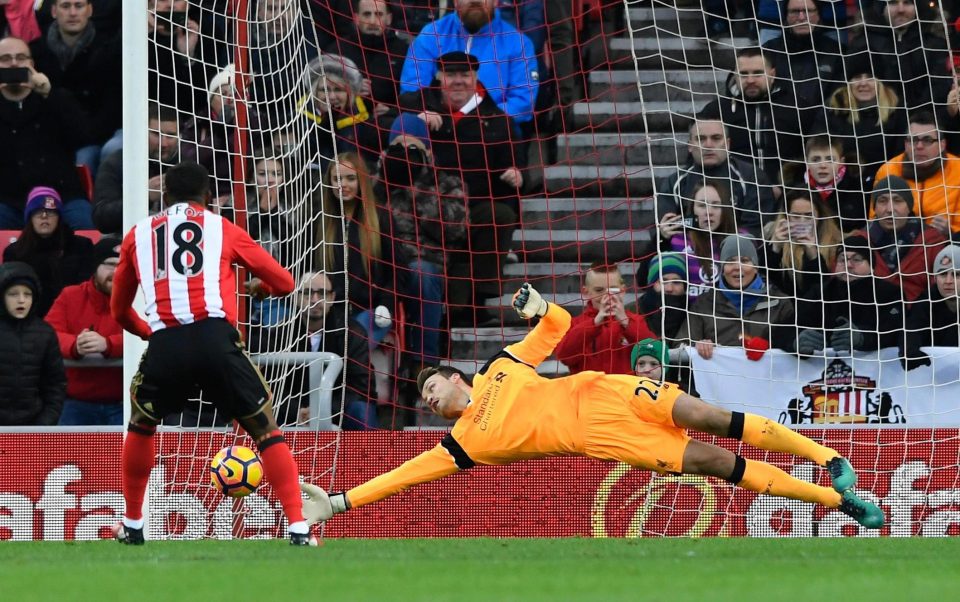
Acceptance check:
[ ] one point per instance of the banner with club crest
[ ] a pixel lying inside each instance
(871, 388)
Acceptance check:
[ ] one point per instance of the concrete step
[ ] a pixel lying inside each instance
(596, 213)
(582, 245)
(687, 20)
(557, 278)
(604, 180)
(651, 48)
(601, 148)
(656, 86)
(660, 117)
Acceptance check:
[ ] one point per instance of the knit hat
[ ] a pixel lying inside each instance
(106, 248)
(652, 348)
(666, 263)
(738, 246)
(408, 124)
(337, 66)
(227, 76)
(893, 185)
(857, 243)
(42, 197)
(947, 259)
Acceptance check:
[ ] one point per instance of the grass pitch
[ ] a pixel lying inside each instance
(462, 570)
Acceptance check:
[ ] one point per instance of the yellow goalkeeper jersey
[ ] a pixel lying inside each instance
(514, 414)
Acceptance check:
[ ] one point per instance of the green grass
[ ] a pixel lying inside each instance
(487, 569)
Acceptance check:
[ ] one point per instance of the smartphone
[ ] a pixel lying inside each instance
(14, 75)
(691, 222)
(613, 291)
(178, 17)
(800, 230)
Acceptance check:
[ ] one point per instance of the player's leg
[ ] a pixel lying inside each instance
(280, 469)
(238, 388)
(694, 413)
(137, 459)
(710, 460)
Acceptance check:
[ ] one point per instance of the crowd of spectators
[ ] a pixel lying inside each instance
(817, 207)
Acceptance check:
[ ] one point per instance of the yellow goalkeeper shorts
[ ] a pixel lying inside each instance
(630, 419)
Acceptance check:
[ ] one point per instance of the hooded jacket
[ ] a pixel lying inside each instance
(32, 380)
(604, 348)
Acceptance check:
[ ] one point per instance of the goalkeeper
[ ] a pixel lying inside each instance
(511, 413)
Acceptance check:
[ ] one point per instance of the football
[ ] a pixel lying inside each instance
(236, 471)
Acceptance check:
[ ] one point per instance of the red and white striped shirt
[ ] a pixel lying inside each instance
(183, 260)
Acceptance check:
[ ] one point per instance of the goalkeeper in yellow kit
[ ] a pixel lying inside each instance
(511, 413)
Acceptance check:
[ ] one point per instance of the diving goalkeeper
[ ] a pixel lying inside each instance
(510, 413)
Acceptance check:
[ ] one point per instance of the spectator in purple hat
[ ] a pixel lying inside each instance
(41, 127)
(49, 245)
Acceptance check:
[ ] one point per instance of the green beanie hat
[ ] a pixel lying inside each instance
(651, 347)
(667, 263)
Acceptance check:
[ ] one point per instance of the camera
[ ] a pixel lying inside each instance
(14, 75)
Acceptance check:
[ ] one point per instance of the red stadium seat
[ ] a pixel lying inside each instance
(7, 237)
(86, 180)
(93, 235)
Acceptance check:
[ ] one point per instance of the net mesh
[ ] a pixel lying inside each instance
(618, 110)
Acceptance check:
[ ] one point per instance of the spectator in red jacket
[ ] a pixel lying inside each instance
(81, 317)
(602, 337)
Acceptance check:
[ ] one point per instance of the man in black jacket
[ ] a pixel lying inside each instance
(906, 46)
(86, 61)
(751, 191)
(41, 127)
(377, 51)
(763, 114)
(322, 326)
(471, 135)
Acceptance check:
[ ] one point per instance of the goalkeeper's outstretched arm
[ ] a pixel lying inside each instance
(429, 466)
(543, 339)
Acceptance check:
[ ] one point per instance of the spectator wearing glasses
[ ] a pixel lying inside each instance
(41, 128)
(322, 325)
(932, 173)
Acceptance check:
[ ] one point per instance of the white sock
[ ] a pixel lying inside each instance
(133, 524)
(299, 527)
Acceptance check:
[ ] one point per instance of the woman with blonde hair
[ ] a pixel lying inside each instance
(867, 115)
(366, 257)
(802, 247)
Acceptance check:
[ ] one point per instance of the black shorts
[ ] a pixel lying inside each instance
(207, 354)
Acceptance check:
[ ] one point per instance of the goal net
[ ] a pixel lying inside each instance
(645, 136)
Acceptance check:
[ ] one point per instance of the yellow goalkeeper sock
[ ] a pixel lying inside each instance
(770, 480)
(769, 435)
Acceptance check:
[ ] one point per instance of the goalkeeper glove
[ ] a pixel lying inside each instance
(319, 506)
(528, 302)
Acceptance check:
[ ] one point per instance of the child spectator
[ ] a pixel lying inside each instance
(649, 359)
(664, 303)
(58, 256)
(602, 336)
(32, 382)
(835, 181)
(742, 310)
(81, 318)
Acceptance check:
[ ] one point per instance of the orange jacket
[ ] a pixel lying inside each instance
(937, 195)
